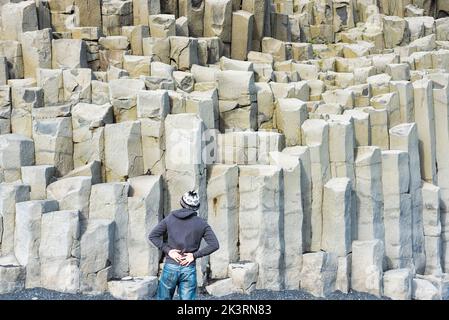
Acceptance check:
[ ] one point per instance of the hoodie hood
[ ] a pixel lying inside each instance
(184, 213)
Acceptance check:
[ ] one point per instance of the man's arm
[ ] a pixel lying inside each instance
(212, 243)
(156, 237)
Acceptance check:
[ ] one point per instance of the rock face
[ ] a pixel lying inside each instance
(27, 237)
(15, 151)
(244, 276)
(397, 284)
(316, 133)
(367, 266)
(72, 194)
(260, 223)
(10, 195)
(12, 275)
(134, 288)
(222, 194)
(319, 273)
(145, 211)
(59, 251)
(110, 201)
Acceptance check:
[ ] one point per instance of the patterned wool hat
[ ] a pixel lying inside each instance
(190, 200)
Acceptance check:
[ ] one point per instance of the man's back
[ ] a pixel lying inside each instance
(185, 230)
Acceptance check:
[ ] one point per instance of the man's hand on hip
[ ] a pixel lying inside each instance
(175, 255)
(187, 259)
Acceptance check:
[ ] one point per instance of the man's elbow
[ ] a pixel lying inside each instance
(152, 240)
(215, 247)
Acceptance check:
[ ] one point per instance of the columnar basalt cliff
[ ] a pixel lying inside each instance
(316, 132)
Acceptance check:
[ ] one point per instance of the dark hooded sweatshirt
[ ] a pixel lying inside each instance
(185, 231)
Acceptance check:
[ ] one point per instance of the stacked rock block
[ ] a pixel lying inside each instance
(315, 131)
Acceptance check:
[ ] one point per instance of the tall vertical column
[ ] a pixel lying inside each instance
(184, 161)
(432, 228)
(425, 122)
(261, 222)
(369, 194)
(397, 209)
(293, 215)
(405, 137)
(303, 155)
(315, 134)
(222, 196)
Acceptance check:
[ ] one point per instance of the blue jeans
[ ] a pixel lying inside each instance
(176, 275)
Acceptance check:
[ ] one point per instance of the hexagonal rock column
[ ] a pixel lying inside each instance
(397, 209)
(194, 12)
(123, 97)
(260, 222)
(290, 114)
(366, 268)
(77, 85)
(424, 290)
(183, 52)
(184, 160)
(341, 148)
(222, 197)
(72, 194)
(244, 276)
(143, 8)
(239, 147)
(12, 275)
(15, 151)
(369, 194)
(440, 103)
(218, 19)
(242, 34)
(38, 178)
(302, 153)
(145, 210)
(24, 101)
(51, 81)
(36, 48)
(116, 14)
(123, 151)
(69, 54)
(319, 273)
(378, 127)
(96, 256)
(221, 288)
(59, 251)
(152, 108)
(27, 237)
(405, 137)
(268, 142)
(141, 288)
(293, 215)
(261, 20)
(425, 122)
(110, 201)
(18, 18)
(237, 99)
(337, 200)
(432, 228)
(10, 194)
(88, 122)
(53, 143)
(397, 284)
(316, 137)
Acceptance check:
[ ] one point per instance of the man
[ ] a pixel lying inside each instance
(185, 230)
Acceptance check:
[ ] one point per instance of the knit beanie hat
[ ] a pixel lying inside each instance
(190, 200)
